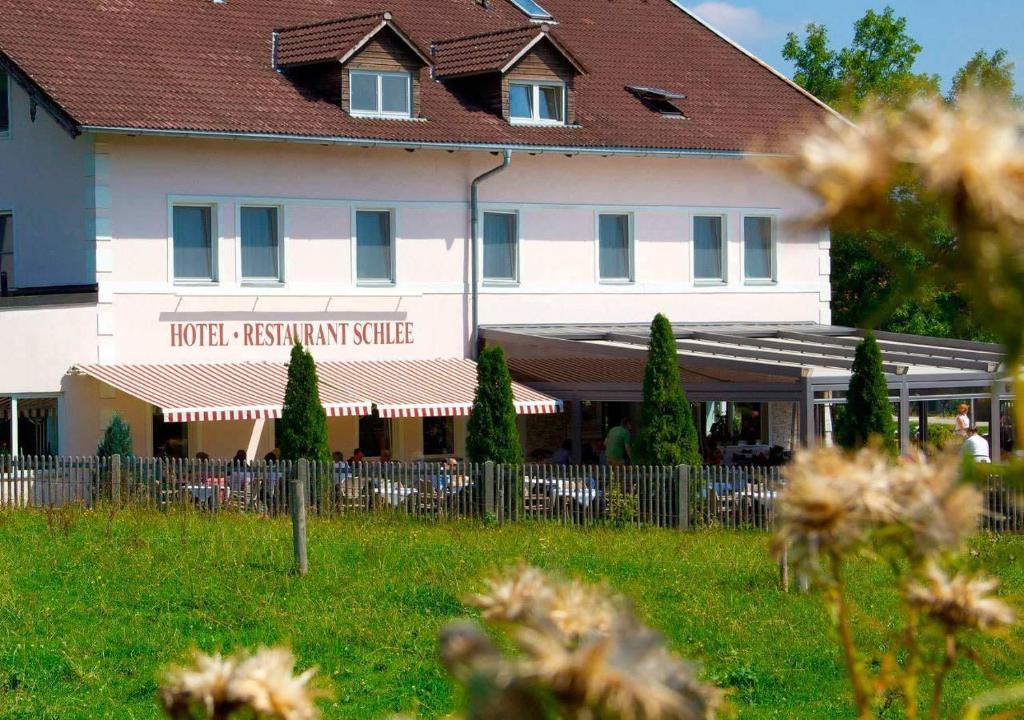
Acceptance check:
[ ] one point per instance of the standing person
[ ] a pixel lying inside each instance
(976, 446)
(963, 420)
(618, 443)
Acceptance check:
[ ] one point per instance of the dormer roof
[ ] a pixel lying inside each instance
(336, 40)
(494, 51)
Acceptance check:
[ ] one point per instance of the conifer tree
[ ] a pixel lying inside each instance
(117, 439)
(303, 420)
(492, 432)
(667, 434)
(868, 412)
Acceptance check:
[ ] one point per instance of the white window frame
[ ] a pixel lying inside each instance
(380, 113)
(773, 252)
(7, 99)
(724, 280)
(281, 239)
(214, 243)
(393, 212)
(501, 282)
(631, 229)
(536, 119)
(12, 281)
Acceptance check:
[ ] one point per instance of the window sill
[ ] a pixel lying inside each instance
(370, 284)
(500, 283)
(537, 123)
(764, 282)
(377, 116)
(198, 282)
(701, 282)
(5, 135)
(616, 281)
(267, 283)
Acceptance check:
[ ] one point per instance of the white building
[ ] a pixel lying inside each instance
(185, 187)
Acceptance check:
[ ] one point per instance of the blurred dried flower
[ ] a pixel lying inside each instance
(261, 684)
(581, 647)
(204, 684)
(961, 601)
(264, 683)
(628, 674)
(526, 596)
(850, 167)
(973, 150)
(823, 505)
(833, 501)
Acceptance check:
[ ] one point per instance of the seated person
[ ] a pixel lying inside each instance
(357, 456)
(563, 455)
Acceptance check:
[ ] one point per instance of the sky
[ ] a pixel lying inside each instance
(949, 30)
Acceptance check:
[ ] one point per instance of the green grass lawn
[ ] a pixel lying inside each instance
(90, 609)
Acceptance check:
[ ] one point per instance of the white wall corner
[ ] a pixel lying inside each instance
(105, 323)
(104, 258)
(105, 294)
(106, 353)
(825, 265)
(825, 314)
(825, 293)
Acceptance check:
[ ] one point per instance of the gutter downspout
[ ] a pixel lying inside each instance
(474, 251)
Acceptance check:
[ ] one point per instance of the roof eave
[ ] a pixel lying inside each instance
(495, 147)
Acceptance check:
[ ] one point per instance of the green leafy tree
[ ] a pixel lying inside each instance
(868, 411)
(990, 73)
(117, 439)
(492, 432)
(667, 434)
(875, 275)
(303, 420)
(879, 63)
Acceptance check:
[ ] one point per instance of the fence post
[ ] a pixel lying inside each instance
(489, 488)
(683, 497)
(784, 570)
(299, 517)
(115, 479)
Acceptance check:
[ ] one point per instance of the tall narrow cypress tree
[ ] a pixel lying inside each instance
(868, 412)
(667, 434)
(117, 439)
(492, 432)
(303, 421)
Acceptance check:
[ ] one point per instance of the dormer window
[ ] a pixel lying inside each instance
(381, 94)
(525, 75)
(536, 103)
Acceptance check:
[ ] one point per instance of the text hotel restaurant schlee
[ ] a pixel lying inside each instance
(286, 334)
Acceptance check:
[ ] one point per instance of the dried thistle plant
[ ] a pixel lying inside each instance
(914, 516)
(582, 654)
(260, 685)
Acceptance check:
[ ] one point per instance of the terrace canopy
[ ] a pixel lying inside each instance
(244, 391)
(808, 364)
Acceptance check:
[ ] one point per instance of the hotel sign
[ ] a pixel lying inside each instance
(271, 333)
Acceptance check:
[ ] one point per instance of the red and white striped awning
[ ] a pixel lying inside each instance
(29, 407)
(246, 391)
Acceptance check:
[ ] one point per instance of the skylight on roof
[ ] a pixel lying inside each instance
(532, 9)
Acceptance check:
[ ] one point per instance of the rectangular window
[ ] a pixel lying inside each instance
(261, 243)
(5, 106)
(537, 103)
(614, 248)
(439, 436)
(758, 248)
(380, 94)
(501, 247)
(709, 248)
(7, 251)
(193, 242)
(375, 257)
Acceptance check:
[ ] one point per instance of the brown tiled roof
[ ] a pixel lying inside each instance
(196, 65)
(488, 52)
(323, 41)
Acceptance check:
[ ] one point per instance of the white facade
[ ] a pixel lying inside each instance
(98, 209)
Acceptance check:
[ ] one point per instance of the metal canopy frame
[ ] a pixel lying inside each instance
(800, 360)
